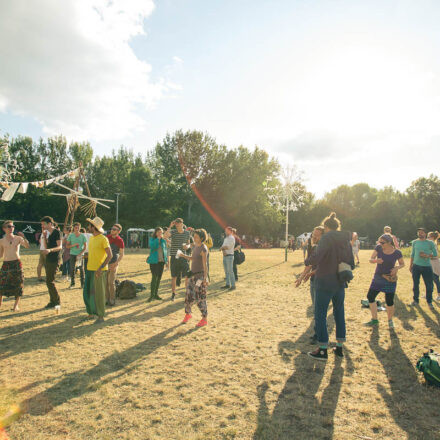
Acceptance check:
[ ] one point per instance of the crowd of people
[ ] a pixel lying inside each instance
(96, 256)
(330, 257)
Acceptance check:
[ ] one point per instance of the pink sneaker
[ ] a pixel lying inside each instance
(202, 323)
(187, 318)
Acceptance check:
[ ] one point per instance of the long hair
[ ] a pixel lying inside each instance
(434, 235)
(155, 231)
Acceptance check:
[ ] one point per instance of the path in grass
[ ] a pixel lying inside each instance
(142, 375)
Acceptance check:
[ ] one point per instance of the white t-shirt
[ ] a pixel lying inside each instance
(42, 245)
(436, 266)
(87, 235)
(356, 245)
(229, 241)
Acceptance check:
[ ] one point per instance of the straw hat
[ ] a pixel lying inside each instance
(97, 222)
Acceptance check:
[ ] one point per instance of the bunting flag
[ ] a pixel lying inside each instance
(10, 188)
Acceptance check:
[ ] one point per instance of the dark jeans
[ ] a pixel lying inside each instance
(66, 268)
(322, 301)
(73, 259)
(313, 295)
(427, 275)
(234, 267)
(51, 270)
(156, 276)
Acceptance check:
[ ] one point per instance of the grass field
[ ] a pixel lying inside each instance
(143, 375)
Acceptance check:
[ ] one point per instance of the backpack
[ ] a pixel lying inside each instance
(429, 366)
(239, 257)
(126, 290)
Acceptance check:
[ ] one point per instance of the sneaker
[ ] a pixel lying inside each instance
(99, 321)
(414, 304)
(202, 323)
(232, 288)
(50, 306)
(372, 323)
(41, 280)
(338, 351)
(390, 323)
(320, 354)
(188, 316)
(225, 287)
(438, 299)
(173, 295)
(72, 286)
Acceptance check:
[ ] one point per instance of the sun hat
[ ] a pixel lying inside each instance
(97, 222)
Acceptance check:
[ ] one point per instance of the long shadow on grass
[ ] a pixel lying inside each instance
(410, 404)
(77, 384)
(405, 314)
(298, 413)
(71, 328)
(430, 323)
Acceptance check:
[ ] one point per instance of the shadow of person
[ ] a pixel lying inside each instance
(430, 323)
(404, 313)
(298, 412)
(80, 382)
(407, 401)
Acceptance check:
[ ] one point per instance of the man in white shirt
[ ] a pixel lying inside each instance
(228, 258)
(41, 262)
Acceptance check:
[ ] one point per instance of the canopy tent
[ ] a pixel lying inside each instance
(138, 237)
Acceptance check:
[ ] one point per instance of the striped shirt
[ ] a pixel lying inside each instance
(177, 241)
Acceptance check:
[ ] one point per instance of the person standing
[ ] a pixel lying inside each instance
(333, 248)
(157, 260)
(435, 263)
(228, 258)
(95, 283)
(11, 272)
(180, 240)
(66, 253)
(387, 230)
(420, 265)
(385, 256)
(52, 251)
(237, 249)
(117, 246)
(198, 281)
(76, 243)
(309, 271)
(42, 260)
(355, 246)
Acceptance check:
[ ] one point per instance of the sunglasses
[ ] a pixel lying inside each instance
(382, 242)
(115, 229)
(10, 226)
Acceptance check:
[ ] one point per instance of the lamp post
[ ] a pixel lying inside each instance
(117, 207)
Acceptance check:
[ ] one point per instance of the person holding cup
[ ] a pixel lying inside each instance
(197, 277)
(76, 243)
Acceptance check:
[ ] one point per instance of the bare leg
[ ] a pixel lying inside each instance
(17, 300)
(390, 312)
(39, 267)
(173, 284)
(373, 310)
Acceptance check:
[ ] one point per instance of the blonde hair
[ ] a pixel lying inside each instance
(332, 222)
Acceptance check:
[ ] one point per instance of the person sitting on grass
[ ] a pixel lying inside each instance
(11, 273)
(157, 259)
(385, 255)
(198, 279)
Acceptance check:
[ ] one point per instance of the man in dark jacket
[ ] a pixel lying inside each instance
(334, 248)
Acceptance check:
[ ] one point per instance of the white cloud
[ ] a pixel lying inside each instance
(69, 65)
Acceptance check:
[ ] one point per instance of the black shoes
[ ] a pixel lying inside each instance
(173, 295)
(225, 287)
(338, 351)
(50, 306)
(320, 354)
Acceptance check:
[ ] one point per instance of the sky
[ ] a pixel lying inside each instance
(346, 90)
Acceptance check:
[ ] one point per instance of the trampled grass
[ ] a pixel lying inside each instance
(143, 375)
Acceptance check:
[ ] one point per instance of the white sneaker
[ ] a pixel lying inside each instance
(438, 299)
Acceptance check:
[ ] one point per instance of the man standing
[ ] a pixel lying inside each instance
(76, 242)
(52, 251)
(180, 240)
(11, 273)
(117, 247)
(420, 265)
(228, 258)
(95, 283)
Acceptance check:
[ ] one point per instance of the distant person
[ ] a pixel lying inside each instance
(333, 248)
(157, 260)
(11, 273)
(228, 258)
(95, 284)
(76, 243)
(355, 246)
(117, 246)
(237, 250)
(180, 240)
(387, 230)
(385, 256)
(52, 252)
(198, 280)
(435, 263)
(88, 235)
(309, 271)
(42, 260)
(420, 265)
(65, 269)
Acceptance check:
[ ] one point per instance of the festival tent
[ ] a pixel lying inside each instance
(138, 237)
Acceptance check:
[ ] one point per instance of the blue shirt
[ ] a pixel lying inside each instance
(154, 254)
(426, 246)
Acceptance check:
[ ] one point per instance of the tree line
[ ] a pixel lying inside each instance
(190, 175)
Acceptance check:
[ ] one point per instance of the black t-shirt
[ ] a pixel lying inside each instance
(52, 257)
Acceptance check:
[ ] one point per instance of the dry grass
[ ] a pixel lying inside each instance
(142, 375)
